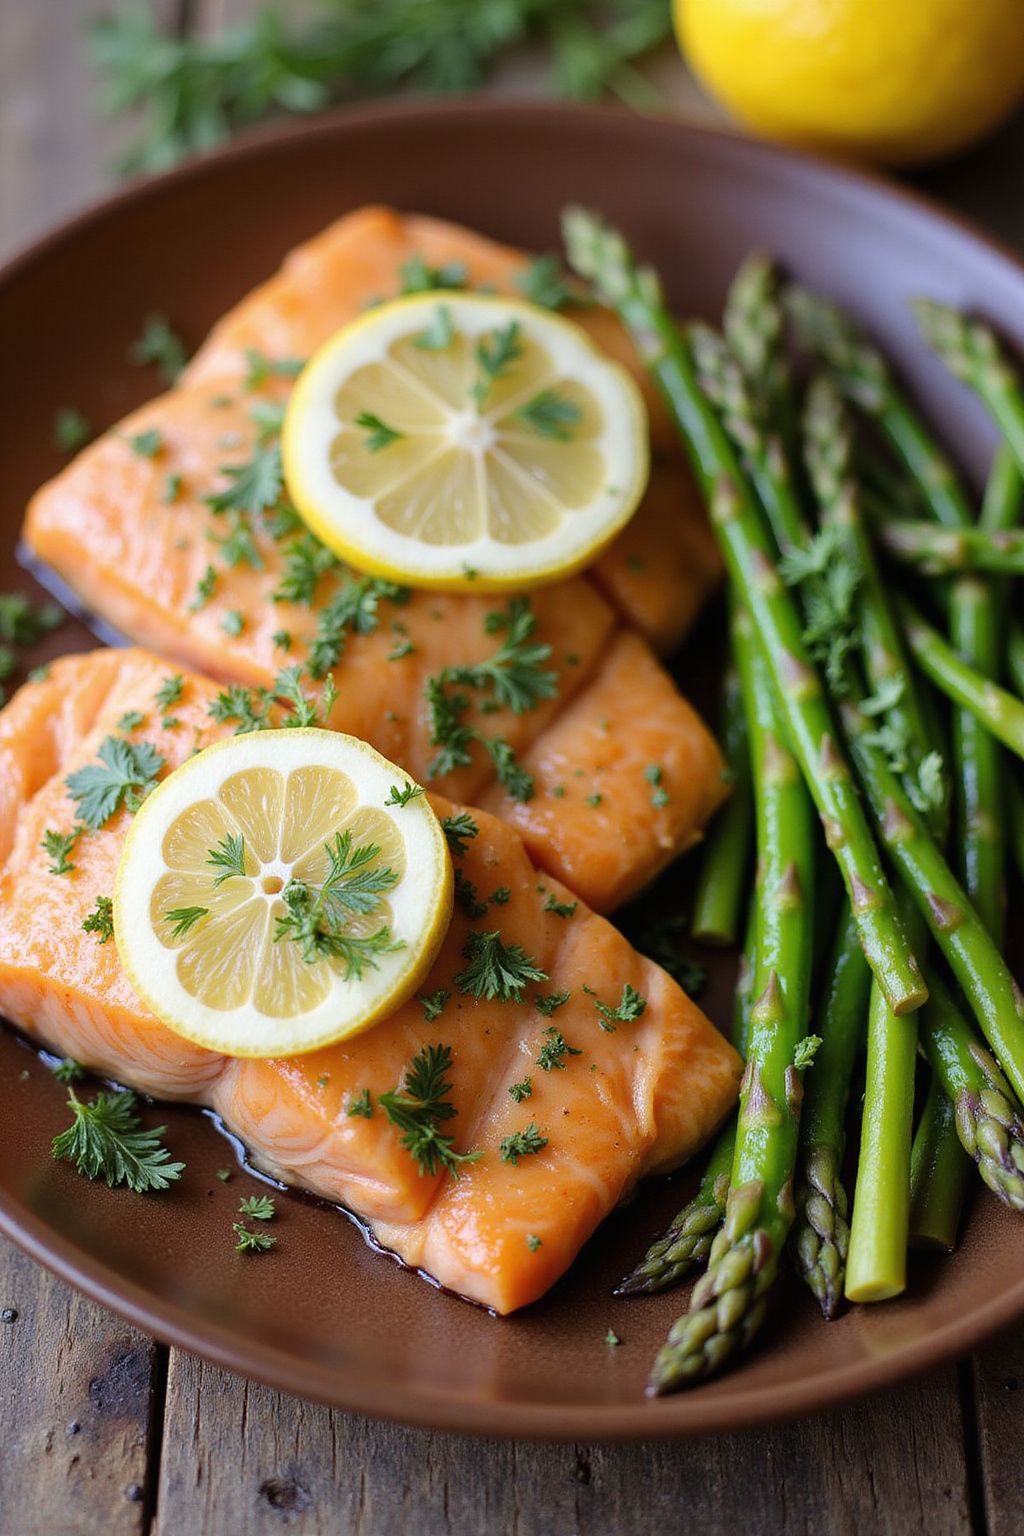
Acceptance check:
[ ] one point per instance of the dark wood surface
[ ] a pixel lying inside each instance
(102, 1431)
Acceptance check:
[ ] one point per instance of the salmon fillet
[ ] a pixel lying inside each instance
(635, 1101)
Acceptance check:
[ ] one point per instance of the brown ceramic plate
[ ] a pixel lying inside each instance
(326, 1317)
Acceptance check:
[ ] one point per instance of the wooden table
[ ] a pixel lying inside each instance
(103, 1431)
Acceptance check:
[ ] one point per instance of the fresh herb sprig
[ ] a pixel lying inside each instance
(106, 1140)
(422, 1107)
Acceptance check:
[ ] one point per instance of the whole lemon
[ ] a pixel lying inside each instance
(897, 81)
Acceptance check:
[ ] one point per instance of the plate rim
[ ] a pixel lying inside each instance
(684, 1415)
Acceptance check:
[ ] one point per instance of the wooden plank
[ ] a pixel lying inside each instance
(55, 150)
(998, 1380)
(76, 1395)
(237, 1456)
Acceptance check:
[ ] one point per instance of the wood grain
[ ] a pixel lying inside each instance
(77, 1390)
(888, 1466)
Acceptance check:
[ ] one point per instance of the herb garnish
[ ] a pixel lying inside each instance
(495, 355)
(68, 1071)
(184, 919)
(549, 1004)
(255, 485)
(258, 1207)
(100, 920)
(805, 1052)
(439, 334)
(630, 1006)
(71, 430)
(161, 346)
(519, 1091)
(360, 1105)
(496, 969)
(433, 1003)
(22, 623)
(233, 622)
(524, 1143)
(422, 1107)
(127, 774)
(467, 898)
(250, 707)
(147, 444)
(318, 921)
(409, 791)
(58, 847)
(204, 589)
(555, 1047)
(106, 1141)
(352, 610)
(560, 908)
(551, 415)
(415, 276)
(169, 692)
(305, 561)
(228, 857)
(458, 830)
(260, 368)
(250, 1241)
(378, 434)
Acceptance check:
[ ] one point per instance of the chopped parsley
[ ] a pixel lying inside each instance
(233, 622)
(496, 969)
(130, 721)
(169, 692)
(519, 1091)
(544, 283)
(547, 1005)
(409, 791)
(68, 1071)
(71, 430)
(554, 1050)
(422, 1107)
(172, 489)
(551, 415)
(160, 346)
(500, 896)
(560, 908)
(354, 609)
(184, 919)
(251, 707)
(805, 1052)
(439, 334)
(533, 1242)
(458, 830)
(228, 858)
(495, 355)
(360, 1105)
(257, 1207)
(105, 1140)
(415, 276)
(378, 434)
(250, 1241)
(305, 561)
(611, 1337)
(147, 444)
(255, 485)
(433, 1003)
(58, 847)
(204, 589)
(467, 897)
(22, 623)
(100, 920)
(125, 774)
(525, 1143)
(319, 921)
(630, 1006)
(260, 368)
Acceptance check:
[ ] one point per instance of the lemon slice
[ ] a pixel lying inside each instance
(269, 901)
(452, 440)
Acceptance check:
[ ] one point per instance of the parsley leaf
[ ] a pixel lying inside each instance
(305, 561)
(458, 829)
(630, 1006)
(71, 430)
(415, 276)
(68, 1071)
(184, 919)
(524, 1143)
(58, 847)
(433, 1003)
(169, 692)
(519, 1091)
(106, 1141)
(495, 355)
(409, 791)
(378, 434)
(555, 1047)
(318, 921)
(544, 282)
(422, 1108)
(514, 675)
(127, 774)
(360, 1105)
(258, 1207)
(547, 1005)
(260, 368)
(256, 484)
(22, 623)
(551, 415)
(228, 857)
(161, 346)
(250, 1241)
(560, 908)
(355, 609)
(496, 969)
(805, 1051)
(204, 589)
(100, 920)
(439, 334)
(467, 898)
(147, 444)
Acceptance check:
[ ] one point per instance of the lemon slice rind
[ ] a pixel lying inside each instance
(419, 905)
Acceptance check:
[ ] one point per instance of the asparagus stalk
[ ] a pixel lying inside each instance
(821, 1234)
(754, 325)
(939, 1171)
(973, 352)
(1001, 713)
(687, 1241)
(989, 1123)
(948, 552)
(723, 873)
(952, 921)
(729, 1301)
(602, 256)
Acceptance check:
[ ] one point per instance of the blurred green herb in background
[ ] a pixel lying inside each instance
(194, 92)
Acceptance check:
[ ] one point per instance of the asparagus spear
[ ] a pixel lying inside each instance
(601, 255)
(989, 1122)
(821, 1234)
(754, 324)
(688, 1239)
(952, 921)
(939, 1171)
(947, 552)
(729, 1301)
(1001, 713)
(972, 351)
(723, 872)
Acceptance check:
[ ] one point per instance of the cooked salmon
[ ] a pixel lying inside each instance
(635, 1100)
(129, 527)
